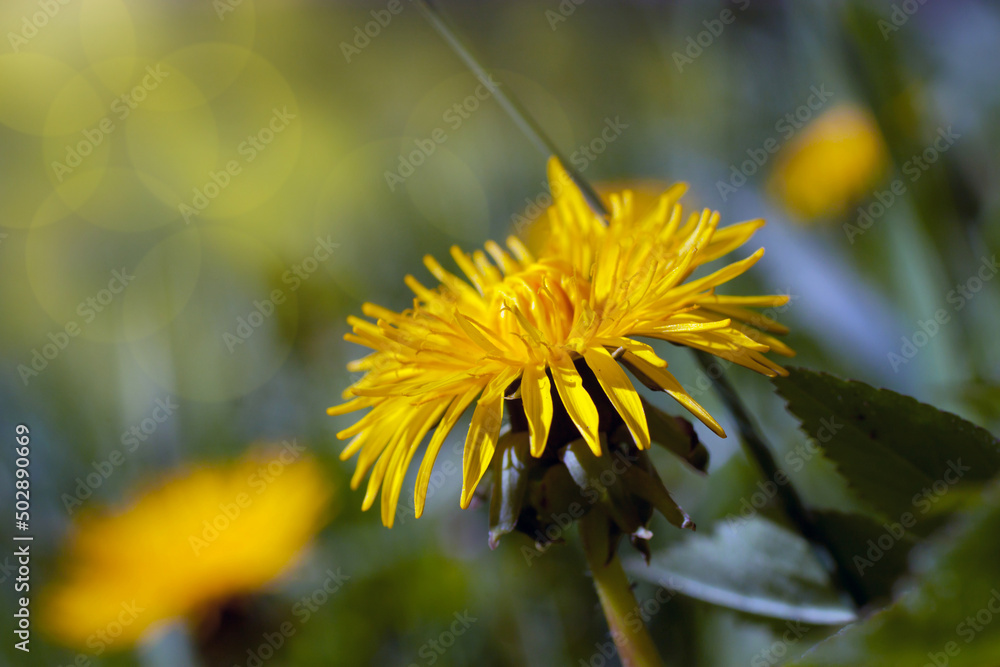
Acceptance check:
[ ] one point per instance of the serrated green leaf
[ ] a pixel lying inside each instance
(950, 617)
(902, 456)
(752, 565)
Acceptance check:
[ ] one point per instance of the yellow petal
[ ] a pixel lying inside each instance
(352, 447)
(636, 347)
(459, 287)
(373, 442)
(451, 415)
(562, 183)
(380, 470)
(476, 334)
(520, 250)
(777, 346)
(724, 274)
(507, 264)
(751, 317)
(483, 432)
(350, 406)
(362, 424)
(662, 379)
(759, 301)
(688, 327)
(467, 266)
(728, 239)
(536, 394)
(490, 273)
(415, 431)
(620, 392)
(577, 401)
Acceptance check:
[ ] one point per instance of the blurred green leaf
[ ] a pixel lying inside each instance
(902, 456)
(876, 552)
(752, 565)
(949, 618)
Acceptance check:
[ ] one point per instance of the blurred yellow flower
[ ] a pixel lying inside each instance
(592, 290)
(198, 538)
(831, 164)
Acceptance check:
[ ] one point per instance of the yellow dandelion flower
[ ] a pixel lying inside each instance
(832, 164)
(198, 539)
(588, 297)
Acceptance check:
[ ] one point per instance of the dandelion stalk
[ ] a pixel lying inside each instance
(635, 646)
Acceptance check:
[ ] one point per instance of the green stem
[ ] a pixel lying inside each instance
(841, 572)
(635, 646)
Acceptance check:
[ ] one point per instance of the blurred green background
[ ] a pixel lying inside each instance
(167, 168)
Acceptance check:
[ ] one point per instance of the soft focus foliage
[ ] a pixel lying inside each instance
(195, 195)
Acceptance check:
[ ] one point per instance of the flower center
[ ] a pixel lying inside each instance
(540, 305)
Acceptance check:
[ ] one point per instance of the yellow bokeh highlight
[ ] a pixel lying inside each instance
(197, 539)
(77, 163)
(259, 142)
(50, 98)
(155, 85)
(76, 106)
(49, 27)
(166, 29)
(831, 165)
(229, 155)
(212, 66)
(108, 38)
(284, 222)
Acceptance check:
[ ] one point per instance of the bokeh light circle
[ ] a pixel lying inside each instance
(212, 66)
(80, 273)
(52, 97)
(236, 328)
(107, 35)
(167, 276)
(27, 196)
(230, 156)
(125, 200)
(450, 197)
(357, 204)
